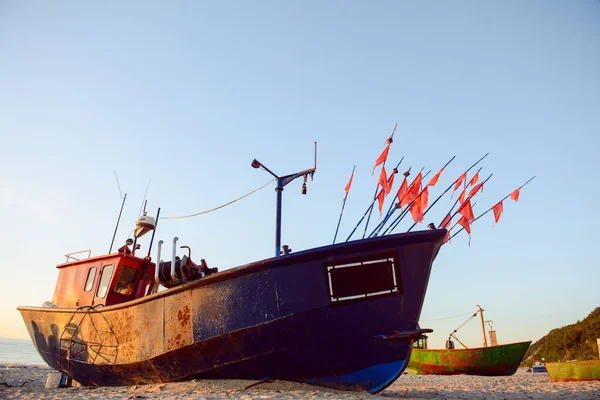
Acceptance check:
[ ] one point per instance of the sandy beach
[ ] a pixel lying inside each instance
(27, 382)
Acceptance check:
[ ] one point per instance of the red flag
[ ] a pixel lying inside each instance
(445, 222)
(474, 179)
(390, 181)
(424, 198)
(461, 198)
(434, 180)
(416, 210)
(466, 210)
(349, 183)
(402, 190)
(382, 157)
(458, 182)
(465, 224)
(380, 198)
(417, 182)
(413, 191)
(383, 179)
(515, 195)
(498, 208)
(476, 189)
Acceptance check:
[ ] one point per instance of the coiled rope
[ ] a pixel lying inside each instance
(222, 205)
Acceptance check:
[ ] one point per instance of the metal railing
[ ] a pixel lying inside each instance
(71, 257)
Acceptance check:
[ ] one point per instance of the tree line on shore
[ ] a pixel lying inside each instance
(572, 342)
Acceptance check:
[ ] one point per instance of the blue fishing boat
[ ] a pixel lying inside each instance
(343, 316)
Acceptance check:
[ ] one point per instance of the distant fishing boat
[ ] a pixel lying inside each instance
(494, 360)
(574, 371)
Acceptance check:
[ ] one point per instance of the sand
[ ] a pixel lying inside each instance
(28, 382)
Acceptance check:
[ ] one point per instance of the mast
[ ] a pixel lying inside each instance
(482, 326)
(281, 182)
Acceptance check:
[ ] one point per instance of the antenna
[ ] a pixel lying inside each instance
(118, 185)
(118, 220)
(144, 199)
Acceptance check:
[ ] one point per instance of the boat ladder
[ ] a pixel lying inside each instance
(87, 337)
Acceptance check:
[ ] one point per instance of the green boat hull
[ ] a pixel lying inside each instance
(487, 361)
(574, 371)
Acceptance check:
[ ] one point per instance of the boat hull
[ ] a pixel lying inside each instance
(486, 361)
(320, 316)
(574, 371)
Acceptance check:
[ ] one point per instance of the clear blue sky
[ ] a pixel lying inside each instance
(188, 93)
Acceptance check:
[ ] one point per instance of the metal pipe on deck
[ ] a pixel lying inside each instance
(173, 257)
(157, 267)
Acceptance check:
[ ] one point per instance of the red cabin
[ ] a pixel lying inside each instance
(107, 280)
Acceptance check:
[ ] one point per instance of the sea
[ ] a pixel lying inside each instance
(18, 351)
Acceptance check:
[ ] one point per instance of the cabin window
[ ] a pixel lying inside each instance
(89, 283)
(126, 282)
(104, 281)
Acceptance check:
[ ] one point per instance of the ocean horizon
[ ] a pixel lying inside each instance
(19, 351)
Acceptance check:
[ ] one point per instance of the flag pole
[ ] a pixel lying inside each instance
(456, 201)
(377, 186)
(343, 205)
(400, 217)
(394, 224)
(390, 211)
(468, 198)
(370, 208)
(436, 200)
(490, 209)
(397, 206)
(452, 184)
(361, 220)
(459, 208)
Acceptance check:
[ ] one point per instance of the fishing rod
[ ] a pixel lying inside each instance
(400, 217)
(389, 143)
(369, 209)
(490, 209)
(436, 200)
(344, 204)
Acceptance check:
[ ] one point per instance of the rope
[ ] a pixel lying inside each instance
(439, 319)
(464, 323)
(222, 205)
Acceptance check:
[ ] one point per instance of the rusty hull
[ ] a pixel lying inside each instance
(498, 360)
(275, 318)
(575, 371)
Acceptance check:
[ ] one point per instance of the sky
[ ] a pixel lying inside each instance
(179, 97)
